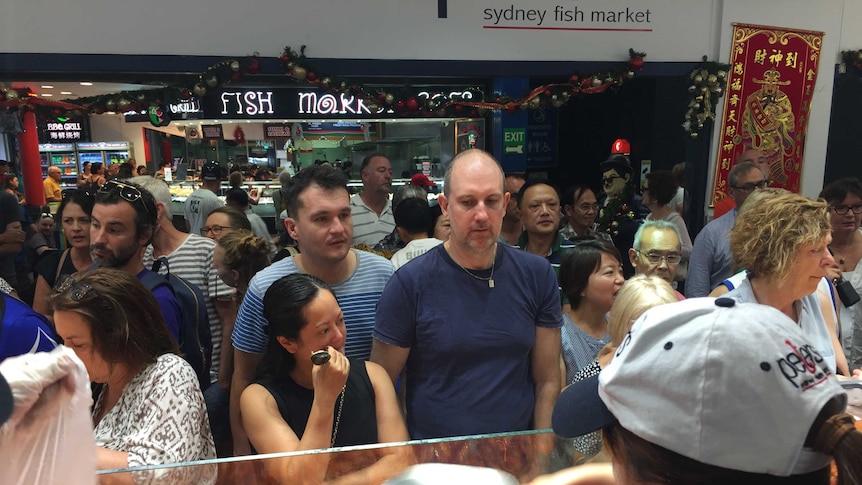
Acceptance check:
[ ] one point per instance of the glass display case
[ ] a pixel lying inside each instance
(180, 190)
(519, 456)
(63, 156)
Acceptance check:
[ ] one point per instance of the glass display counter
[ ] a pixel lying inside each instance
(180, 190)
(521, 455)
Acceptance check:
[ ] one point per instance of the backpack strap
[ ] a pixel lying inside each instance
(157, 265)
(153, 280)
(2, 311)
(60, 265)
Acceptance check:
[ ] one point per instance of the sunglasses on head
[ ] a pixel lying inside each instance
(127, 192)
(79, 288)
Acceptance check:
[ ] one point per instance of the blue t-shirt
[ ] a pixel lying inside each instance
(357, 296)
(469, 368)
(23, 330)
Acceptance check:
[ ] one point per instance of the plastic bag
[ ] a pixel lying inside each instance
(49, 438)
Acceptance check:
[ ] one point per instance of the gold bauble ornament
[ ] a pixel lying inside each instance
(299, 72)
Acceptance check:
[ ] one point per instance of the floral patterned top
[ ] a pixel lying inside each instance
(160, 418)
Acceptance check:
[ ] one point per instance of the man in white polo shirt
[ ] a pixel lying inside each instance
(372, 210)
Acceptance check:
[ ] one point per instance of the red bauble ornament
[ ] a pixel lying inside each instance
(512, 110)
(285, 58)
(311, 76)
(235, 76)
(254, 67)
(547, 92)
(412, 104)
(399, 106)
(186, 94)
(57, 111)
(573, 79)
(474, 113)
(637, 62)
(459, 109)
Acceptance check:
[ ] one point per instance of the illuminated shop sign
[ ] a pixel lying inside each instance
(186, 106)
(329, 104)
(293, 103)
(249, 103)
(62, 129)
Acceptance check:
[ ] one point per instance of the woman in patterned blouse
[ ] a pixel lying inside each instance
(150, 409)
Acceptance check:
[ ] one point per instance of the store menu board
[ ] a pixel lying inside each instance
(212, 132)
(277, 131)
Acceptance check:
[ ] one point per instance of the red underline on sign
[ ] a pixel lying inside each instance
(600, 29)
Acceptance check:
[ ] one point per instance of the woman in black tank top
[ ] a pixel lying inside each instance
(294, 404)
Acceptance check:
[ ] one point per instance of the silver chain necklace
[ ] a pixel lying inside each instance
(489, 279)
(338, 417)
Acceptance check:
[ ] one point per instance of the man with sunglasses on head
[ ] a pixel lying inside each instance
(711, 261)
(123, 224)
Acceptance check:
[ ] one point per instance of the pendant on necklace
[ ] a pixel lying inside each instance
(491, 283)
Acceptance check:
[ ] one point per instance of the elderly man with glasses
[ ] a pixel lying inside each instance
(657, 251)
(711, 261)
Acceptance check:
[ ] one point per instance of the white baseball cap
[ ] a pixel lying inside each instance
(728, 384)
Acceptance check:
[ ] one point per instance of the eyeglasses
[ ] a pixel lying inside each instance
(749, 187)
(79, 288)
(130, 193)
(610, 180)
(842, 209)
(215, 229)
(655, 258)
(588, 207)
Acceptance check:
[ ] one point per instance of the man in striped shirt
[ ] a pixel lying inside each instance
(320, 221)
(190, 256)
(371, 209)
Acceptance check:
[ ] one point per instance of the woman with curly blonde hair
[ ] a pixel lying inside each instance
(784, 246)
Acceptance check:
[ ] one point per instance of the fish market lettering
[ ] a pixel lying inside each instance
(311, 103)
(248, 102)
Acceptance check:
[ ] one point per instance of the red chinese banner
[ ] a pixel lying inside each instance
(769, 89)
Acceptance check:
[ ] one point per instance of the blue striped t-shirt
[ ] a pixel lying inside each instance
(357, 296)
